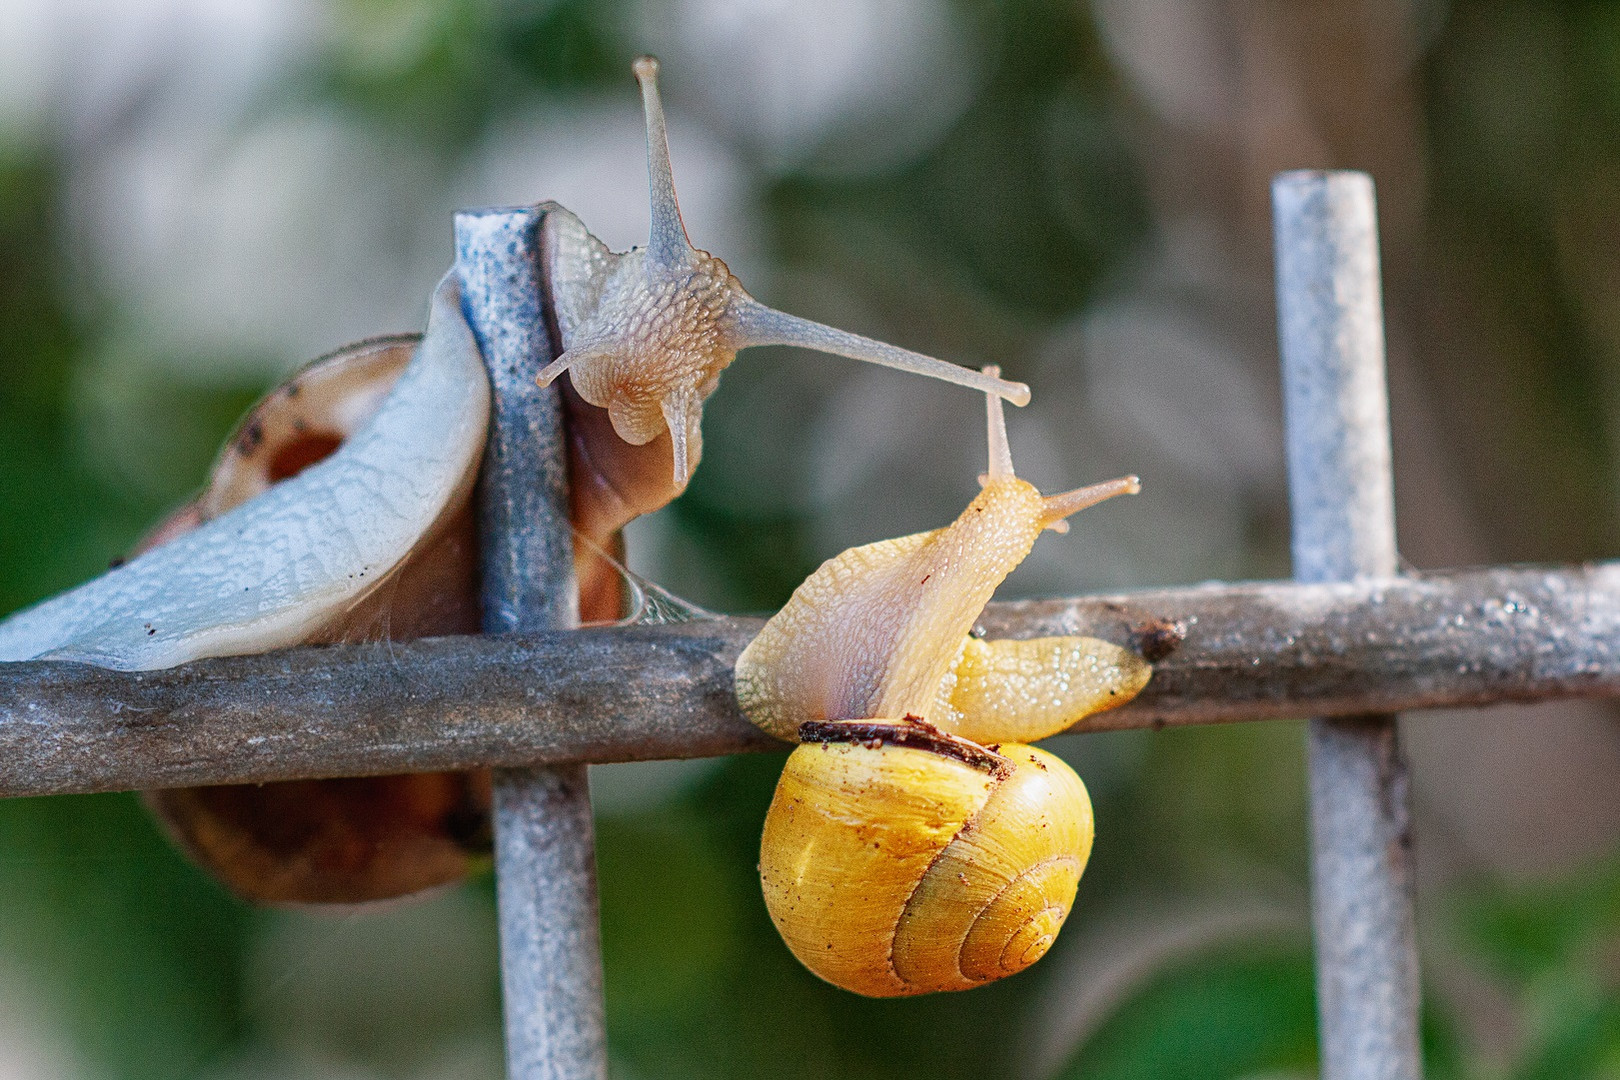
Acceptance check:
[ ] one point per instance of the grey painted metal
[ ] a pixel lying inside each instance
(1341, 489)
(545, 854)
(1223, 653)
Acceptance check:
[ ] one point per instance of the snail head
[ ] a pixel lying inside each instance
(646, 333)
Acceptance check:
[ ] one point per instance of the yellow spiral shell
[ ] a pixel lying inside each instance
(900, 860)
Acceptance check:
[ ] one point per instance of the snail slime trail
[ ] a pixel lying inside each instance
(914, 843)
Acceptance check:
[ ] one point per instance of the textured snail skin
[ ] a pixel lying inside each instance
(269, 572)
(893, 870)
(882, 630)
(649, 330)
(1020, 691)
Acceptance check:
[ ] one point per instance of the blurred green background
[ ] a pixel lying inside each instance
(196, 196)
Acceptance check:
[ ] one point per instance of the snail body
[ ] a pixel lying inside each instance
(279, 567)
(883, 630)
(899, 860)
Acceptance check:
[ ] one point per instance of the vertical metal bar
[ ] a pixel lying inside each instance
(545, 853)
(1341, 487)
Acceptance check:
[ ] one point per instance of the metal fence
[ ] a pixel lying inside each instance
(1348, 642)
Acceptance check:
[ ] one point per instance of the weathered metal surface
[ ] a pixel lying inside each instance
(528, 547)
(1230, 652)
(545, 850)
(1341, 491)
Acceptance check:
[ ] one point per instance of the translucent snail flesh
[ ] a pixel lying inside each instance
(883, 630)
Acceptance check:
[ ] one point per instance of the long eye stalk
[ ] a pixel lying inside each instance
(757, 324)
(1001, 466)
(668, 244)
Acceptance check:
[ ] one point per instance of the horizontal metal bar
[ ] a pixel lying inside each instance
(1223, 653)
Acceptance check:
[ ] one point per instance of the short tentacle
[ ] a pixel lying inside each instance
(683, 413)
(1062, 505)
(568, 359)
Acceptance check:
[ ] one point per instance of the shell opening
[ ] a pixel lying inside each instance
(298, 455)
(911, 732)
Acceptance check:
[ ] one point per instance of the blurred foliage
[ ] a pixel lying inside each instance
(440, 70)
(136, 951)
(1031, 206)
(1554, 948)
(1524, 139)
(1248, 1013)
(58, 524)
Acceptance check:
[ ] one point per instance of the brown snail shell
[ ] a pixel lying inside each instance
(353, 839)
(897, 859)
(359, 839)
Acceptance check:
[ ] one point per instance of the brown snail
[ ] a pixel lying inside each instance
(901, 854)
(339, 511)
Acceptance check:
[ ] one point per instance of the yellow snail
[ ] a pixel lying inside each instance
(901, 854)
(339, 511)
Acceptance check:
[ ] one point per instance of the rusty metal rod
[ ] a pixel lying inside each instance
(1342, 495)
(545, 847)
(1223, 653)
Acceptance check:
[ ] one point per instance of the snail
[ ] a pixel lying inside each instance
(339, 511)
(279, 567)
(311, 462)
(643, 336)
(914, 844)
